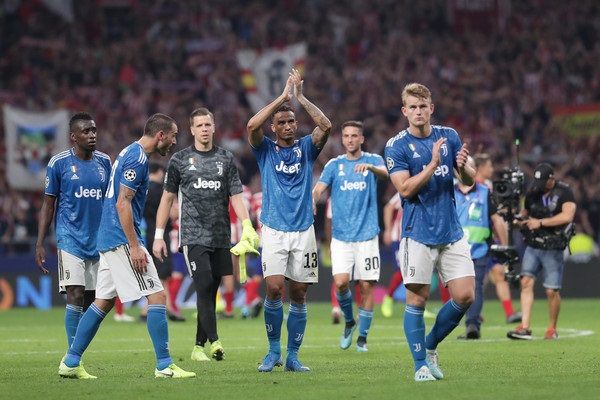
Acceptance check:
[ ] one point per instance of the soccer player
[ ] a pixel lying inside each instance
(335, 305)
(421, 160)
(355, 228)
(204, 178)
(126, 268)
(288, 235)
(76, 180)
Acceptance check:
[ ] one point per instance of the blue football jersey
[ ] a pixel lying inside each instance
(130, 169)
(353, 197)
(430, 216)
(79, 188)
(286, 174)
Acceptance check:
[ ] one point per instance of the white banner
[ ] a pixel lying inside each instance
(265, 72)
(32, 138)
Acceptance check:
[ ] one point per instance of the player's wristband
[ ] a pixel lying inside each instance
(159, 234)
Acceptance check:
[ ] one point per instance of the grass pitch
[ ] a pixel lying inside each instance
(32, 343)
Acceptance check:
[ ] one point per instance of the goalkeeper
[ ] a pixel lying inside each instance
(204, 177)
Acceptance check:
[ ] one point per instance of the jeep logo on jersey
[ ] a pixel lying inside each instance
(288, 169)
(353, 185)
(219, 167)
(93, 193)
(206, 184)
(441, 170)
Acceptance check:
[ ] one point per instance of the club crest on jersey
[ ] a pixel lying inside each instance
(102, 174)
(220, 167)
(298, 152)
(444, 150)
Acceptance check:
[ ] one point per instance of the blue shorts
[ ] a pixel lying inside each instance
(551, 262)
(179, 263)
(395, 246)
(254, 265)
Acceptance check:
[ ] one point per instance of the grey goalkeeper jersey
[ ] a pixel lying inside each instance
(203, 181)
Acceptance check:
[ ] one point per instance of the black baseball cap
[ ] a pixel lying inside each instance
(541, 174)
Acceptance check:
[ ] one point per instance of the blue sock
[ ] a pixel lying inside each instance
(273, 321)
(345, 301)
(414, 329)
(86, 330)
(72, 316)
(365, 317)
(159, 333)
(447, 319)
(296, 325)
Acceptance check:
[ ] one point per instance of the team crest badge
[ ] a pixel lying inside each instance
(444, 150)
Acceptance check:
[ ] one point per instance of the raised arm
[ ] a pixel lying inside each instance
(321, 133)
(254, 126)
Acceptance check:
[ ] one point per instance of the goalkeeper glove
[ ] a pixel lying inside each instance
(240, 250)
(249, 234)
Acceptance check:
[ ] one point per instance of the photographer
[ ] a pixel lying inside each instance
(546, 223)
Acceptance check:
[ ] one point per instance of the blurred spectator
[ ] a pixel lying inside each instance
(500, 80)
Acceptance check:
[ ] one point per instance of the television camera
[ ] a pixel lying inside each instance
(508, 191)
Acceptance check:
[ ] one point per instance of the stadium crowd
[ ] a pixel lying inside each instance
(123, 60)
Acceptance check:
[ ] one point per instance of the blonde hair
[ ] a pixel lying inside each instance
(416, 90)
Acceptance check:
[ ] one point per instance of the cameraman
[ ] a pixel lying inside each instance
(546, 225)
